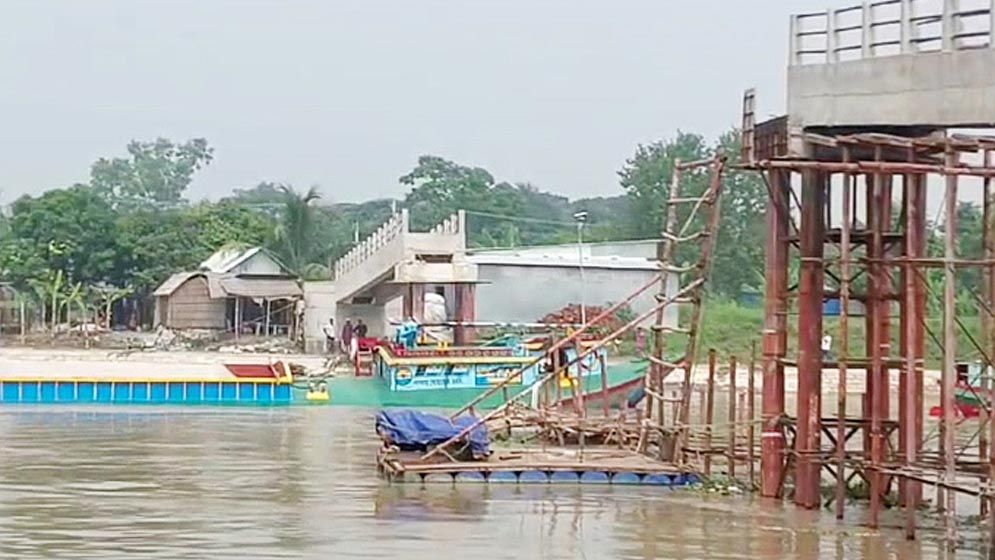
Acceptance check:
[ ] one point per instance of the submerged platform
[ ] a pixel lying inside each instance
(538, 466)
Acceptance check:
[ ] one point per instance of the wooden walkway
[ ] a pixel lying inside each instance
(537, 466)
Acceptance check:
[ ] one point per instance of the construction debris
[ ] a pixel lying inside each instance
(572, 314)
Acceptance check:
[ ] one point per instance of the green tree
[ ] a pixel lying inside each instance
(156, 243)
(266, 198)
(501, 214)
(72, 230)
(646, 178)
(738, 263)
(154, 173)
(738, 259)
(344, 222)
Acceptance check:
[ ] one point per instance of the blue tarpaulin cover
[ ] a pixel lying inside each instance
(414, 430)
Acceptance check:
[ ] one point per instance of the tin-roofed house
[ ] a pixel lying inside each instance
(237, 289)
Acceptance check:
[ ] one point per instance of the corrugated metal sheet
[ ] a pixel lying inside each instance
(560, 261)
(223, 260)
(263, 288)
(238, 261)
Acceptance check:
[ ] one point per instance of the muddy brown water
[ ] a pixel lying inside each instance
(120, 482)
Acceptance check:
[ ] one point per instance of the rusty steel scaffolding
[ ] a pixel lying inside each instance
(847, 222)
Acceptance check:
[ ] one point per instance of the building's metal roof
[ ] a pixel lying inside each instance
(225, 259)
(553, 261)
(220, 286)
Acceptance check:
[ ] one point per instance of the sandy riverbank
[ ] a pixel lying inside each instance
(18, 363)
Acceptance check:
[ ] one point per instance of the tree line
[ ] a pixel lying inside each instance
(129, 226)
(125, 230)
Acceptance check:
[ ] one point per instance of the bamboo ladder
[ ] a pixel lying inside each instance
(695, 226)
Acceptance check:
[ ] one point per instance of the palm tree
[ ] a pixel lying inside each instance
(294, 236)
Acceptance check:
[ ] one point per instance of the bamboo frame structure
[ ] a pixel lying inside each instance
(662, 428)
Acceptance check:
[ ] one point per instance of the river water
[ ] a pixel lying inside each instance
(299, 482)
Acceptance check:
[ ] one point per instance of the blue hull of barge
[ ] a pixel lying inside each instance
(145, 392)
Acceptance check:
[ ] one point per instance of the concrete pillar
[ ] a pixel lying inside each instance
(418, 301)
(413, 302)
(905, 33)
(948, 29)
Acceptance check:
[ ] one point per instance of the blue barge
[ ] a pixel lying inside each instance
(137, 391)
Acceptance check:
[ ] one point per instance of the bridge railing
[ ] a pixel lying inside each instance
(393, 229)
(876, 28)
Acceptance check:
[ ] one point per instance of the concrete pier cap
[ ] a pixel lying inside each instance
(893, 64)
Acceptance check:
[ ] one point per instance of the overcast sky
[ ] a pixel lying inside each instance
(347, 94)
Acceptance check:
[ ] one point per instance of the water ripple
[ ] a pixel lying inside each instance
(190, 483)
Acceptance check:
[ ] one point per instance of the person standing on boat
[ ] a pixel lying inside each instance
(361, 328)
(346, 339)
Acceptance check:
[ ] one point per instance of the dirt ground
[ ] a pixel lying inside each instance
(59, 363)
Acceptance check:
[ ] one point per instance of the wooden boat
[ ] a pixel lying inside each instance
(375, 391)
(968, 399)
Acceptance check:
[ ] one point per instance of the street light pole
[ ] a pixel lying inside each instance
(581, 218)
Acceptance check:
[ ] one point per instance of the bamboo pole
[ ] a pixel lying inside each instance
(555, 358)
(578, 388)
(986, 318)
(751, 413)
(605, 405)
(732, 418)
(709, 411)
(665, 255)
(989, 195)
(844, 346)
(950, 349)
(674, 410)
(702, 394)
(986, 326)
(912, 327)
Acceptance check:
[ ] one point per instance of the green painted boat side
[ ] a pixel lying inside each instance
(372, 392)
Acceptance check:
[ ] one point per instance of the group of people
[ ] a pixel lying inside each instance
(348, 337)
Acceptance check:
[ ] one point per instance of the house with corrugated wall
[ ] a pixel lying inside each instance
(239, 290)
